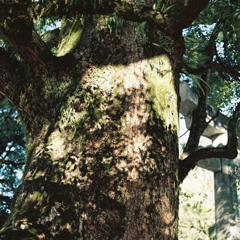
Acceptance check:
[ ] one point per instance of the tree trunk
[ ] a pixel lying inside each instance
(102, 153)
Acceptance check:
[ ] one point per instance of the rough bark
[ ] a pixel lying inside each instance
(102, 153)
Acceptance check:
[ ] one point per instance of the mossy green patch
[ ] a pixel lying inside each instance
(158, 75)
(71, 38)
(56, 145)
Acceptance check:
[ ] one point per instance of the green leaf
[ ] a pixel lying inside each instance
(220, 36)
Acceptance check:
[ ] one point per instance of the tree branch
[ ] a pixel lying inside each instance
(190, 12)
(17, 27)
(8, 183)
(189, 163)
(12, 77)
(210, 49)
(126, 10)
(197, 71)
(229, 70)
(14, 164)
(28, 43)
(134, 12)
(228, 151)
(199, 123)
(199, 116)
(5, 199)
(16, 23)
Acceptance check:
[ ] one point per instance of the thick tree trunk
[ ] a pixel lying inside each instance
(102, 160)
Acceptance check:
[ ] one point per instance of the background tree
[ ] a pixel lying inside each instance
(12, 155)
(100, 111)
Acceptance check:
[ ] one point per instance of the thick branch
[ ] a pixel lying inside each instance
(12, 77)
(16, 25)
(232, 126)
(199, 123)
(27, 43)
(189, 163)
(228, 151)
(190, 12)
(126, 10)
(136, 12)
(199, 115)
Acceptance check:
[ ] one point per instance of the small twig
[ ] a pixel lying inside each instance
(184, 133)
(213, 117)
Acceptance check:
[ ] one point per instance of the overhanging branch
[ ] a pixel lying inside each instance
(229, 70)
(170, 24)
(189, 13)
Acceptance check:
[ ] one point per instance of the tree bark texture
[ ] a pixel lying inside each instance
(102, 153)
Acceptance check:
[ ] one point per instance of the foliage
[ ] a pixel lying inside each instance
(219, 19)
(196, 209)
(12, 153)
